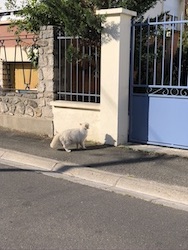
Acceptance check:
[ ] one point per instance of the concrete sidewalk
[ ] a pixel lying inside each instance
(152, 173)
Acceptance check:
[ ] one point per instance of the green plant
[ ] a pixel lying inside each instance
(33, 55)
(72, 17)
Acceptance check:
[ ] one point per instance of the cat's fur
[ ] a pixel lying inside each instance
(71, 136)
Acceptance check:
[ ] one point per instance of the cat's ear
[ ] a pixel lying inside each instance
(87, 125)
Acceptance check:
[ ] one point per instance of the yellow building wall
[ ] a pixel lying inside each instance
(23, 75)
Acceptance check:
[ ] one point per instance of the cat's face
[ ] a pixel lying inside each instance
(85, 125)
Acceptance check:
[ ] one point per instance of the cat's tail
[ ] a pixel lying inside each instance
(55, 141)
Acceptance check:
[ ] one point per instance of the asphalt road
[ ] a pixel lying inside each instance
(42, 212)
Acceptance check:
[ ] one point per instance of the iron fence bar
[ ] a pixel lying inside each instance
(161, 23)
(60, 63)
(23, 70)
(83, 71)
(6, 65)
(160, 86)
(132, 52)
(180, 53)
(79, 94)
(71, 72)
(147, 64)
(169, 22)
(89, 72)
(131, 75)
(67, 37)
(14, 58)
(30, 75)
(140, 55)
(65, 72)
(163, 53)
(96, 73)
(171, 56)
(155, 54)
(31, 66)
(77, 68)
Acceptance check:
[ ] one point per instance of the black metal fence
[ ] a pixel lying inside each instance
(79, 70)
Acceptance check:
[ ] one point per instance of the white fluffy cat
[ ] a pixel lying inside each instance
(71, 136)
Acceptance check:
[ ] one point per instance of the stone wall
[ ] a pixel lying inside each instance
(34, 105)
(48, 64)
(26, 104)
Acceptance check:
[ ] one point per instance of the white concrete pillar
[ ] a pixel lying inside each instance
(115, 57)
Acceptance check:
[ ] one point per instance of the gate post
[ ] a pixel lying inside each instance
(115, 64)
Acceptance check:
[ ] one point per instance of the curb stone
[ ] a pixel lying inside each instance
(125, 182)
(27, 159)
(159, 150)
(159, 192)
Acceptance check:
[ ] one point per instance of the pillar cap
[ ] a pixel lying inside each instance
(116, 11)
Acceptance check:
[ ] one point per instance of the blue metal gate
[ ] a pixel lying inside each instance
(159, 82)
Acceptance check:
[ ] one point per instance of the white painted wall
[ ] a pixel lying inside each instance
(155, 11)
(10, 55)
(175, 7)
(70, 114)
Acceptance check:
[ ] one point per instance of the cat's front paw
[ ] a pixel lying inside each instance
(68, 150)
